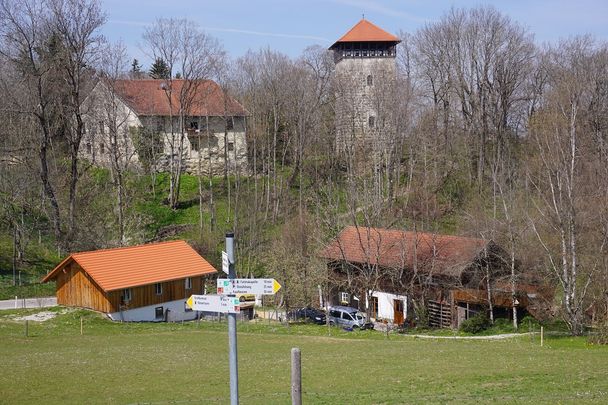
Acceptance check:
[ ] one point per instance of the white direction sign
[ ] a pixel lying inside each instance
(214, 303)
(257, 286)
(225, 263)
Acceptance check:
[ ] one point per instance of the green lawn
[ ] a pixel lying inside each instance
(188, 363)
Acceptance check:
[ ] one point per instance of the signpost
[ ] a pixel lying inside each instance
(232, 352)
(214, 303)
(227, 302)
(257, 286)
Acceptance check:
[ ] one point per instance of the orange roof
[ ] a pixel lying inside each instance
(448, 255)
(149, 97)
(115, 269)
(365, 31)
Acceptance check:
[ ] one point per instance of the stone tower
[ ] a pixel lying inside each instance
(365, 83)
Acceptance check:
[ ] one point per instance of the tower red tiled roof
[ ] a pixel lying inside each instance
(444, 254)
(151, 97)
(125, 267)
(365, 31)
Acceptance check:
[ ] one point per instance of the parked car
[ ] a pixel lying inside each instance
(308, 314)
(348, 317)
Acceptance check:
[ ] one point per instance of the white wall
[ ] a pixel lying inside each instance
(386, 309)
(176, 313)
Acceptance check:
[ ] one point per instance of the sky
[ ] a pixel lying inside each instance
(289, 26)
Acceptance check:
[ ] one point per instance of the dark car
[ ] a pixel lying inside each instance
(307, 314)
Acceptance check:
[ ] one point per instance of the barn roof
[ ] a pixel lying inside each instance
(365, 31)
(149, 97)
(448, 255)
(125, 267)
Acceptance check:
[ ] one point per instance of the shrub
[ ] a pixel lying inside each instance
(476, 324)
(600, 337)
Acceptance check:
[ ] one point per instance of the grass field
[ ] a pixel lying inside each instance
(188, 363)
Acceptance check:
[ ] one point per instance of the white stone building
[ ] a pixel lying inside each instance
(145, 122)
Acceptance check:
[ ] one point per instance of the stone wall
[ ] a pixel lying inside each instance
(364, 89)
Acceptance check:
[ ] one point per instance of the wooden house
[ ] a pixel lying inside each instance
(384, 271)
(138, 283)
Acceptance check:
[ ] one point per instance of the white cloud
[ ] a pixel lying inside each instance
(230, 30)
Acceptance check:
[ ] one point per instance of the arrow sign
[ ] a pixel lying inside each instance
(257, 286)
(214, 303)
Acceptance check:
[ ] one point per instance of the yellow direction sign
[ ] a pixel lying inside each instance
(257, 286)
(214, 303)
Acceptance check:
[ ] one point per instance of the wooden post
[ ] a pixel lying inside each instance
(81, 321)
(26, 328)
(296, 377)
(542, 336)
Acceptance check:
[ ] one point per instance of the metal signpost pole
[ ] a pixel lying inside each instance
(234, 367)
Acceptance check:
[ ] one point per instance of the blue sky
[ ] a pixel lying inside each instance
(289, 26)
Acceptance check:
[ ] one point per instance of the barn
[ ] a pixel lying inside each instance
(387, 272)
(148, 282)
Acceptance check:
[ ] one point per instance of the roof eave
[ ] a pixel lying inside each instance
(371, 40)
(53, 273)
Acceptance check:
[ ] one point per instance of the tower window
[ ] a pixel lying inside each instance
(371, 121)
(370, 80)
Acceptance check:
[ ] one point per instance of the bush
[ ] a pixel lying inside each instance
(529, 324)
(476, 324)
(600, 337)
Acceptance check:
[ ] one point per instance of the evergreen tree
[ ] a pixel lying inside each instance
(160, 70)
(135, 67)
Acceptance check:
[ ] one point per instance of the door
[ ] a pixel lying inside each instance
(398, 312)
(374, 311)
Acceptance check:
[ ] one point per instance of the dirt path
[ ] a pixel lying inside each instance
(489, 337)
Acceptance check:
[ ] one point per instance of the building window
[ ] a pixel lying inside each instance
(102, 149)
(230, 146)
(158, 287)
(158, 313)
(194, 126)
(188, 283)
(89, 148)
(229, 124)
(160, 125)
(370, 80)
(126, 295)
(344, 298)
(372, 121)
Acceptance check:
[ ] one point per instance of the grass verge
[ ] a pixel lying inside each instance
(188, 363)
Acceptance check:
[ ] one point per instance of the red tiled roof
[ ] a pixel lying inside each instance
(150, 97)
(448, 255)
(115, 269)
(365, 31)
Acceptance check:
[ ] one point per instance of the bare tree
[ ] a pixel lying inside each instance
(566, 225)
(194, 55)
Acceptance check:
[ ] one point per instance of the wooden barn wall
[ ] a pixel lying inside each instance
(146, 295)
(76, 288)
